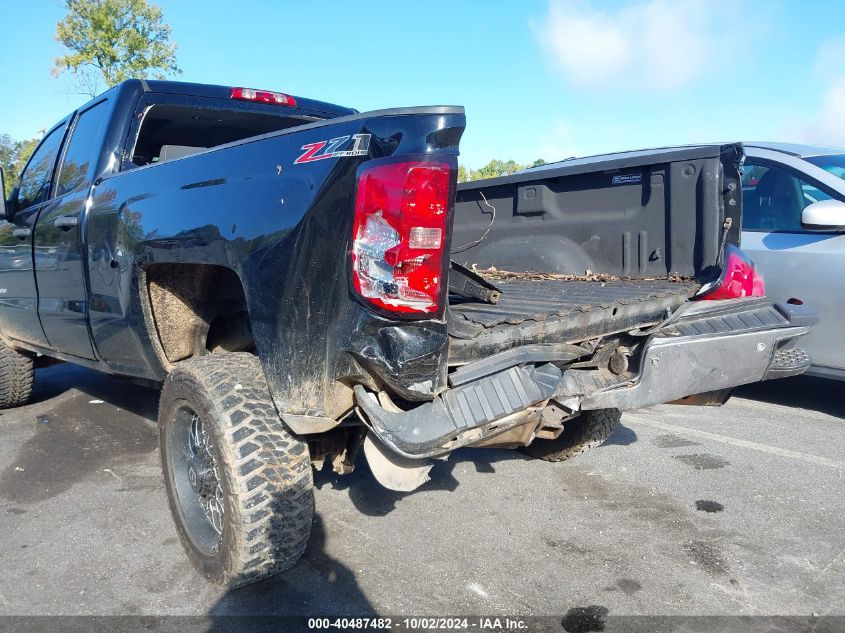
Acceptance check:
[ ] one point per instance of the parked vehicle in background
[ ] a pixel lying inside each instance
(793, 227)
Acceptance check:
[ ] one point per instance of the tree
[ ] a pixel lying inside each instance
(13, 157)
(7, 153)
(499, 168)
(464, 174)
(494, 169)
(110, 41)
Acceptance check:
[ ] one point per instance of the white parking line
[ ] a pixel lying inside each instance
(783, 452)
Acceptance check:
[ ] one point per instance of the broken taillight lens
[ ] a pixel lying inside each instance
(739, 278)
(399, 235)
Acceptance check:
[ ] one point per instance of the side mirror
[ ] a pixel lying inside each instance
(3, 204)
(824, 214)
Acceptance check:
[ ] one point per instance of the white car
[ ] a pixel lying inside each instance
(793, 227)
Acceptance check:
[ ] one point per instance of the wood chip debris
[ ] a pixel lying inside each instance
(494, 274)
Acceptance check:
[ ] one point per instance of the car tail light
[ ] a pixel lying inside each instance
(263, 96)
(739, 278)
(399, 235)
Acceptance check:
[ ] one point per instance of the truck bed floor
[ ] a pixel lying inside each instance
(559, 311)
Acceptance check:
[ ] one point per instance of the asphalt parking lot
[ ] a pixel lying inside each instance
(685, 510)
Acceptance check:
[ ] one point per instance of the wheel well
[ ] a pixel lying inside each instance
(198, 309)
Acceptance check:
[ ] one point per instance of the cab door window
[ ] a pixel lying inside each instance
(34, 186)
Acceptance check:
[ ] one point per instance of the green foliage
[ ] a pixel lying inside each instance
(493, 169)
(13, 157)
(7, 153)
(110, 41)
(498, 168)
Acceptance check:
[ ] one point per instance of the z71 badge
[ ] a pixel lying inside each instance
(355, 145)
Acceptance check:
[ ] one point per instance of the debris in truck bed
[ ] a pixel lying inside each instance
(493, 273)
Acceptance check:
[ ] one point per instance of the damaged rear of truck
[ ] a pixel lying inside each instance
(306, 280)
(580, 290)
(406, 316)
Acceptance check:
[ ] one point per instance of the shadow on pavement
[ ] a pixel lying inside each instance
(55, 380)
(806, 392)
(372, 499)
(317, 584)
(76, 437)
(622, 436)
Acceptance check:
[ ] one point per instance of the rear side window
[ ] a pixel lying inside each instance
(169, 131)
(35, 181)
(82, 150)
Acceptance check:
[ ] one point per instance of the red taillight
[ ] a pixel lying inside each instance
(739, 278)
(263, 96)
(399, 234)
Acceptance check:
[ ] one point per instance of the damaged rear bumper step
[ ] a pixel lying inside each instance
(492, 400)
(708, 348)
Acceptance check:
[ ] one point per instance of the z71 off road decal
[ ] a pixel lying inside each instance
(355, 145)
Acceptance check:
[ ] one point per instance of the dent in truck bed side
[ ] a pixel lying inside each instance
(284, 229)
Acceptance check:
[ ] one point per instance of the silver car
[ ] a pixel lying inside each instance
(793, 227)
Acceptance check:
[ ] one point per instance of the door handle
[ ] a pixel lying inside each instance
(66, 222)
(22, 233)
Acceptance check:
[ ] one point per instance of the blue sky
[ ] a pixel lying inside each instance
(539, 78)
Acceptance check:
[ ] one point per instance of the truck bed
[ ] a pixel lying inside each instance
(534, 311)
(621, 238)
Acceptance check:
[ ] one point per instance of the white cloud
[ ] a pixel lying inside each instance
(652, 45)
(557, 143)
(830, 59)
(828, 126)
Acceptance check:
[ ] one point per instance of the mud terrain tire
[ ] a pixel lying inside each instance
(588, 430)
(16, 376)
(260, 473)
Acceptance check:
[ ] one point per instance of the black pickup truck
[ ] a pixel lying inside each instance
(306, 280)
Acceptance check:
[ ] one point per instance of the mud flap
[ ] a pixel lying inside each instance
(393, 471)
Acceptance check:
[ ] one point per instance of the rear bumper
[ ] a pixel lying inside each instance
(674, 368)
(707, 346)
